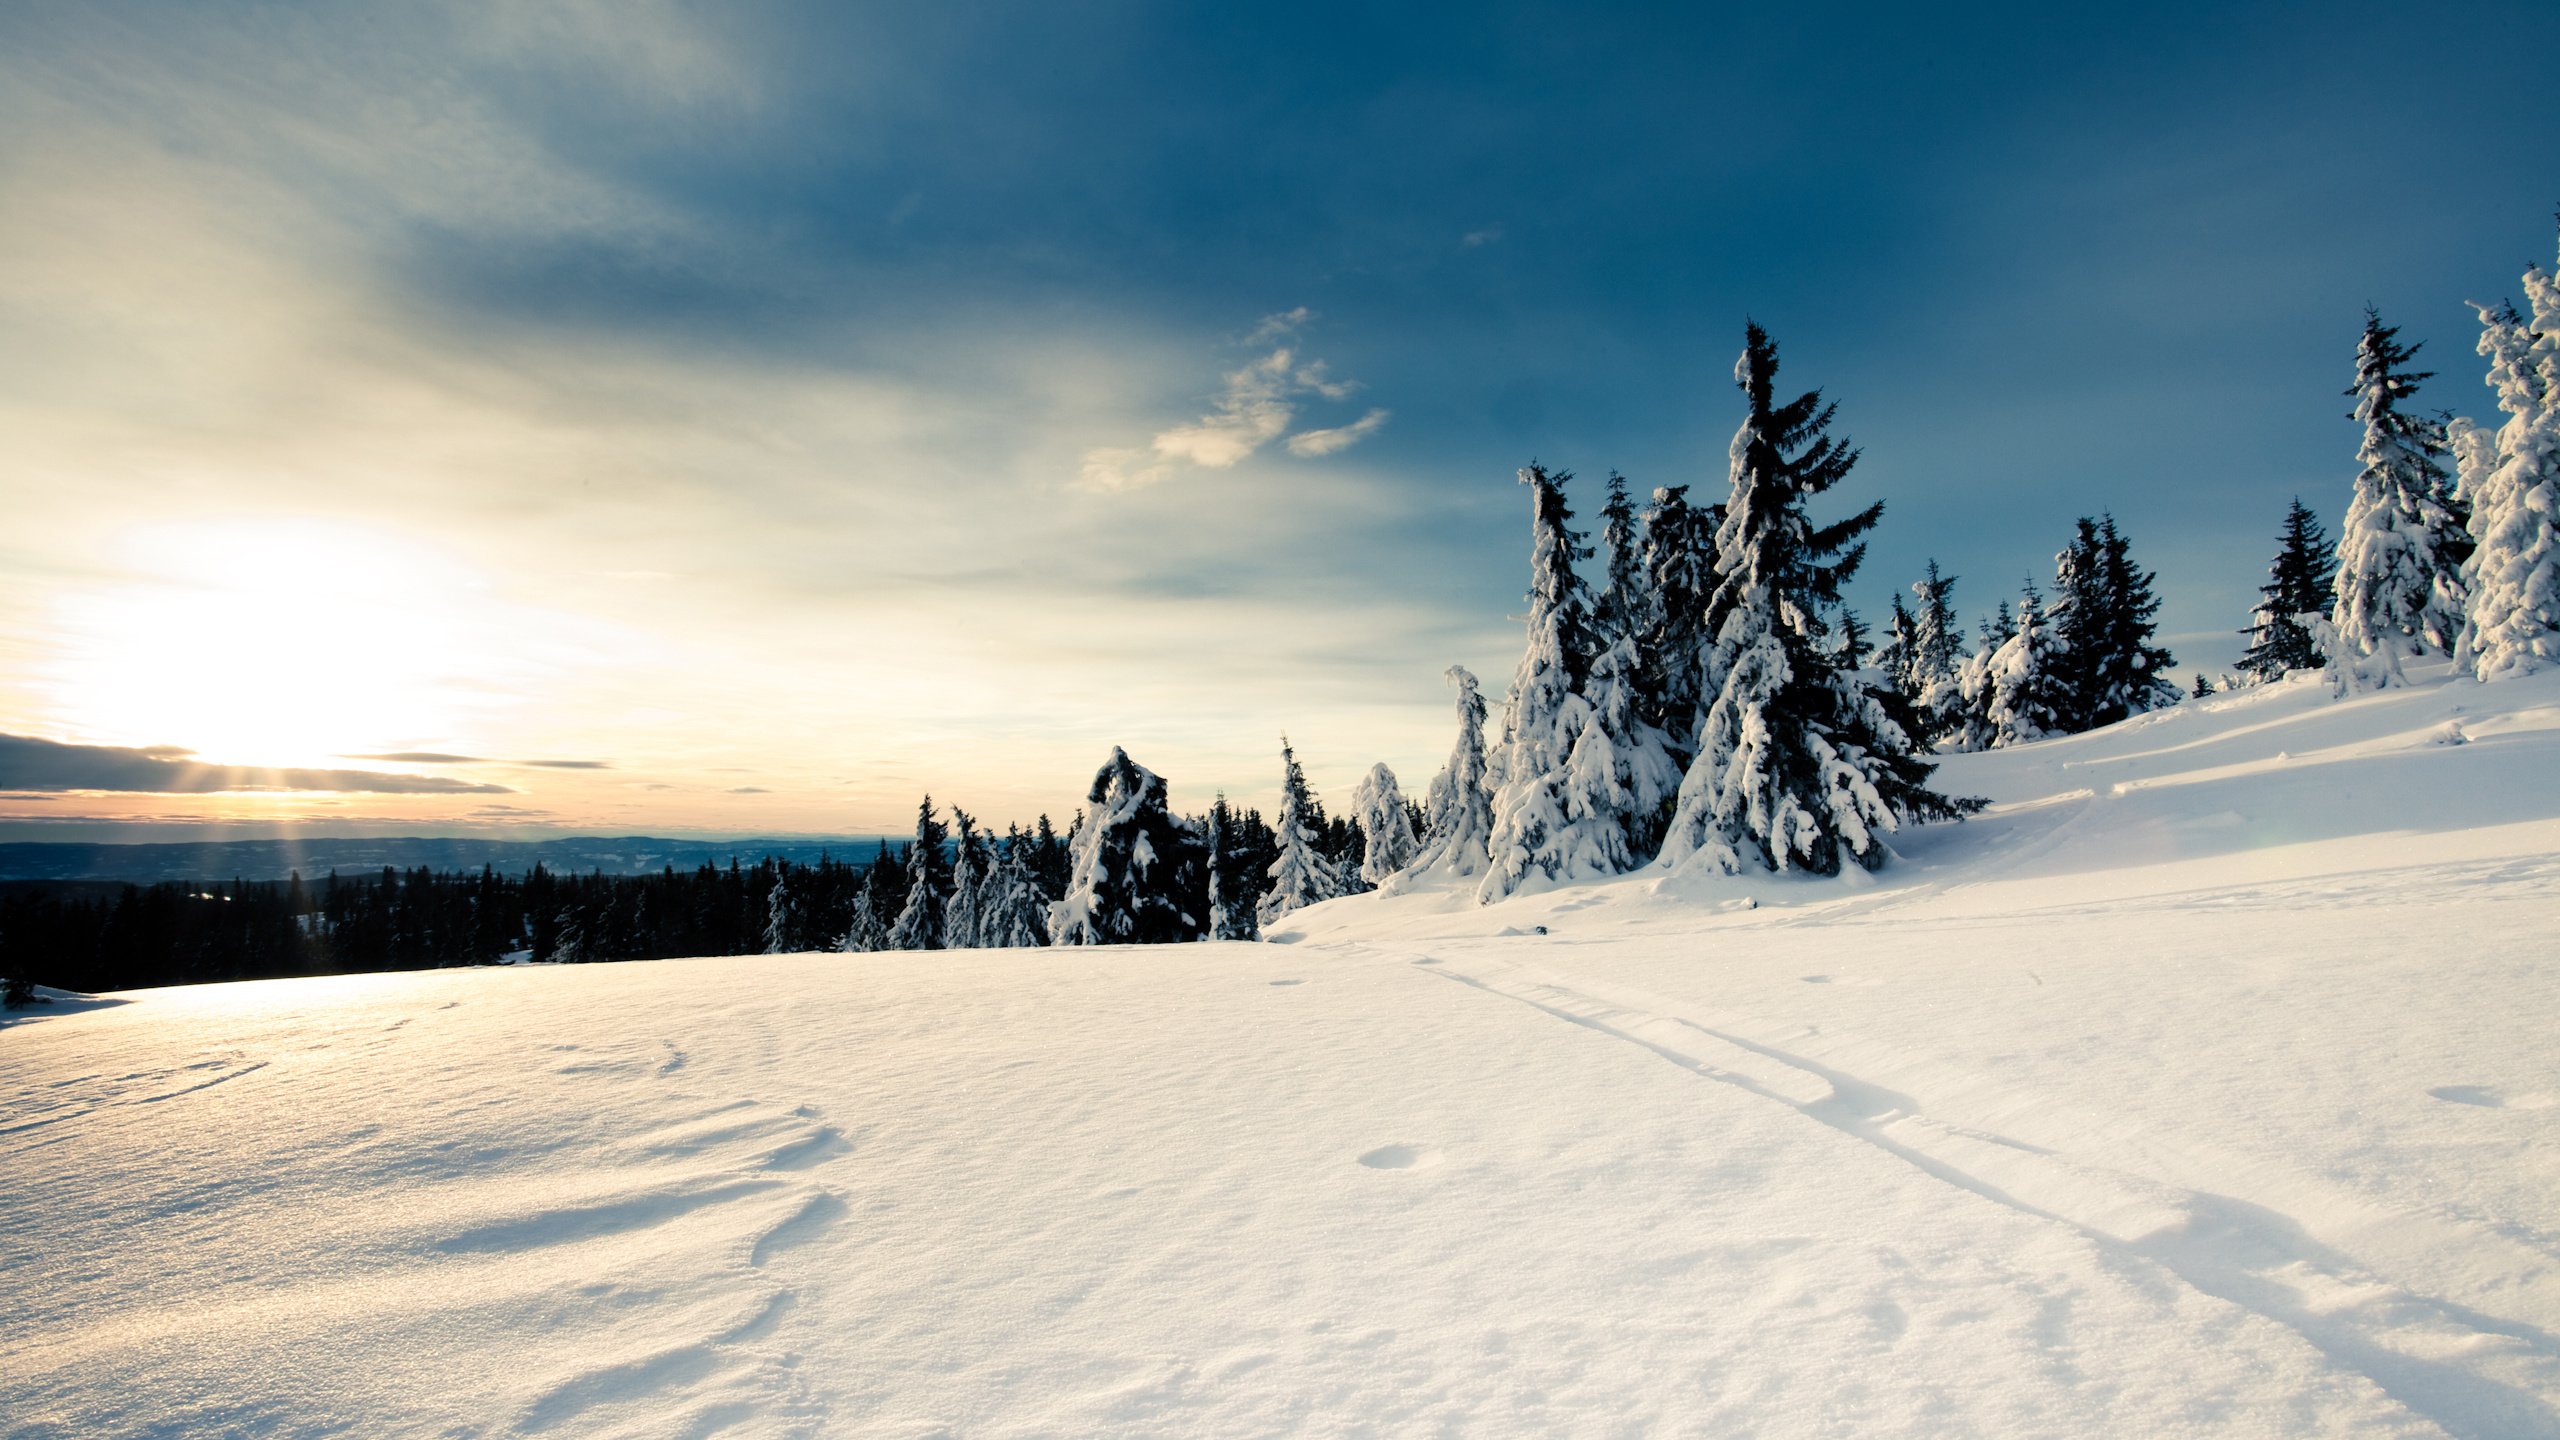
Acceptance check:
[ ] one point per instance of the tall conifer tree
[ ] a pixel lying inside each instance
(2511, 480)
(1573, 779)
(919, 924)
(1800, 767)
(2399, 582)
(1301, 875)
(1459, 802)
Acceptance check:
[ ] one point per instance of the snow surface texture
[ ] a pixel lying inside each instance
(2206, 1086)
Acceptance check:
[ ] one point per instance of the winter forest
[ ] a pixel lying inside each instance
(1693, 691)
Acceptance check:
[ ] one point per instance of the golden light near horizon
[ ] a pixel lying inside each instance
(266, 641)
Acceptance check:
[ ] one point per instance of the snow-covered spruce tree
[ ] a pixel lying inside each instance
(1377, 803)
(1621, 768)
(1015, 915)
(2399, 584)
(1300, 876)
(1569, 787)
(2300, 582)
(1133, 869)
(1624, 604)
(919, 925)
(1680, 575)
(866, 932)
(964, 916)
(781, 915)
(2202, 686)
(1938, 654)
(1895, 655)
(1968, 718)
(2076, 623)
(1459, 802)
(1800, 767)
(2027, 679)
(2512, 482)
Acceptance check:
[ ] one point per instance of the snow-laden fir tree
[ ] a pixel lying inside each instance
(1680, 575)
(1968, 718)
(919, 925)
(866, 932)
(2027, 679)
(2400, 549)
(1799, 767)
(2300, 585)
(1894, 656)
(1563, 802)
(963, 917)
(781, 915)
(1459, 802)
(1937, 655)
(2511, 480)
(1301, 876)
(1624, 604)
(1133, 869)
(1015, 912)
(1377, 805)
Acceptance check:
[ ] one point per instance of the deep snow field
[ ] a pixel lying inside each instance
(2209, 1085)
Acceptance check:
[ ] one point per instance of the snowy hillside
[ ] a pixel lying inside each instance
(2207, 1085)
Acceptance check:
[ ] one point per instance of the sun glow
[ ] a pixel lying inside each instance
(267, 642)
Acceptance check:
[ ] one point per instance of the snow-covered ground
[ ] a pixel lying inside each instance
(2210, 1085)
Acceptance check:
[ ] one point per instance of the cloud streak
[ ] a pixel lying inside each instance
(1256, 405)
(1312, 443)
(31, 764)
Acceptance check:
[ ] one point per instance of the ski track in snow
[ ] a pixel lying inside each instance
(2251, 1252)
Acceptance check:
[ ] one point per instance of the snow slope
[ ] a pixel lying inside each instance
(2204, 1087)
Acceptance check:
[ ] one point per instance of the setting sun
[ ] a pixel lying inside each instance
(268, 641)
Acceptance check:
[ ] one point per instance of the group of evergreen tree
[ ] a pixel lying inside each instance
(2459, 563)
(2081, 657)
(1692, 702)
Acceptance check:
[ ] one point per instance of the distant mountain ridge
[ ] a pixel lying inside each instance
(275, 858)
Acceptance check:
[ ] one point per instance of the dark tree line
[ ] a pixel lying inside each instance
(86, 938)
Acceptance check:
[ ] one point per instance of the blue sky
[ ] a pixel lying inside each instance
(788, 408)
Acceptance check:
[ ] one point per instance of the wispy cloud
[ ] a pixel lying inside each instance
(1273, 327)
(1255, 406)
(27, 763)
(1478, 239)
(1311, 443)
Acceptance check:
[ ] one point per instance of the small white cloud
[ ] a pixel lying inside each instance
(1287, 322)
(1313, 378)
(1476, 239)
(1252, 412)
(1309, 444)
(1255, 406)
(1111, 469)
